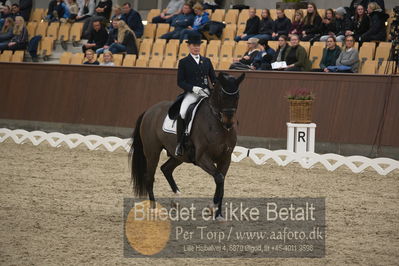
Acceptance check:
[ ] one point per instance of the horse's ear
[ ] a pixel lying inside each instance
(240, 79)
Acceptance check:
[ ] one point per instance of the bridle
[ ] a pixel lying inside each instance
(219, 114)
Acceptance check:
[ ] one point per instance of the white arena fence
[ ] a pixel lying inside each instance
(259, 156)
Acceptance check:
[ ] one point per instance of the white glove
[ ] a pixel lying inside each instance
(200, 91)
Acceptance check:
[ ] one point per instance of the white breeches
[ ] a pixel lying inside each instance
(188, 99)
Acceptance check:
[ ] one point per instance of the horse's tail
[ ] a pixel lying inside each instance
(138, 160)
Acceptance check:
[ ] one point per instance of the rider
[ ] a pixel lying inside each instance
(193, 76)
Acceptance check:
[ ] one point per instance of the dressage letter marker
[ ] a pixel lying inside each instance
(301, 137)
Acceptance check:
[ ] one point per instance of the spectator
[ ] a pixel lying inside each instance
(246, 61)
(73, 10)
(282, 24)
(361, 23)
(173, 8)
(251, 28)
(57, 11)
(117, 13)
(328, 25)
(279, 56)
(266, 26)
(91, 60)
(6, 33)
(355, 3)
(263, 59)
(132, 19)
(296, 56)
(297, 24)
(311, 24)
(112, 37)
(86, 10)
(19, 40)
(108, 59)
(377, 30)
(25, 8)
(98, 37)
(348, 60)
(330, 55)
(200, 19)
(5, 12)
(104, 9)
(180, 22)
(342, 23)
(15, 11)
(125, 42)
(4, 3)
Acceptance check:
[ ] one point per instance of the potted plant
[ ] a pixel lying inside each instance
(301, 101)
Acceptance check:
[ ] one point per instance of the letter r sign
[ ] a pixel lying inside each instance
(301, 137)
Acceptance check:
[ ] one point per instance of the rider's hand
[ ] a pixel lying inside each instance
(200, 91)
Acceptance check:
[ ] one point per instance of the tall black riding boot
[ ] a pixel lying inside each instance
(180, 130)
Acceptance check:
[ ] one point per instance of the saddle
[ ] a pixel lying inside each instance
(169, 124)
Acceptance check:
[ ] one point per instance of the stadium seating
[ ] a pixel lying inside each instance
(17, 57)
(130, 60)
(155, 62)
(243, 17)
(46, 47)
(149, 31)
(240, 49)
(162, 29)
(153, 13)
(42, 29)
(52, 30)
(369, 67)
(169, 62)
(316, 53)
(76, 32)
(6, 56)
(218, 15)
(31, 27)
(77, 59)
(66, 58)
(231, 16)
(142, 62)
(63, 33)
(37, 14)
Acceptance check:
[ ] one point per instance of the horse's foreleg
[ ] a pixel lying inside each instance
(208, 166)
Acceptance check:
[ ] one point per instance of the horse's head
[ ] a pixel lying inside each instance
(225, 98)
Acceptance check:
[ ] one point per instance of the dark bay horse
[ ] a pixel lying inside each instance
(213, 138)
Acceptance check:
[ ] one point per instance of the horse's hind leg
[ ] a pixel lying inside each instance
(152, 163)
(167, 169)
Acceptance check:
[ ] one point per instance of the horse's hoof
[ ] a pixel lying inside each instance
(220, 219)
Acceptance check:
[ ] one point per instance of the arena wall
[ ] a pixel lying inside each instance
(351, 109)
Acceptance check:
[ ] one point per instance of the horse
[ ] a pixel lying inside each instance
(211, 143)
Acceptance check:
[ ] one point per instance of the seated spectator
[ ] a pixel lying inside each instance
(361, 23)
(25, 8)
(112, 37)
(180, 22)
(330, 55)
(5, 12)
(246, 61)
(6, 33)
(348, 60)
(377, 30)
(282, 24)
(57, 11)
(98, 37)
(104, 9)
(173, 8)
(108, 59)
(132, 19)
(200, 19)
(263, 59)
(279, 56)
(4, 3)
(19, 40)
(266, 26)
(86, 10)
(311, 24)
(251, 28)
(117, 12)
(355, 3)
(342, 24)
(328, 25)
(125, 42)
(296, 56)
(91, 60)
(73, 10)
(297, 24)
(15, 11)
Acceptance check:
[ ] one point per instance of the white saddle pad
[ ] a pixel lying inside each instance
(169, 125)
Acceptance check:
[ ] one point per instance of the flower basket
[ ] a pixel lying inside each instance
(300, 111)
